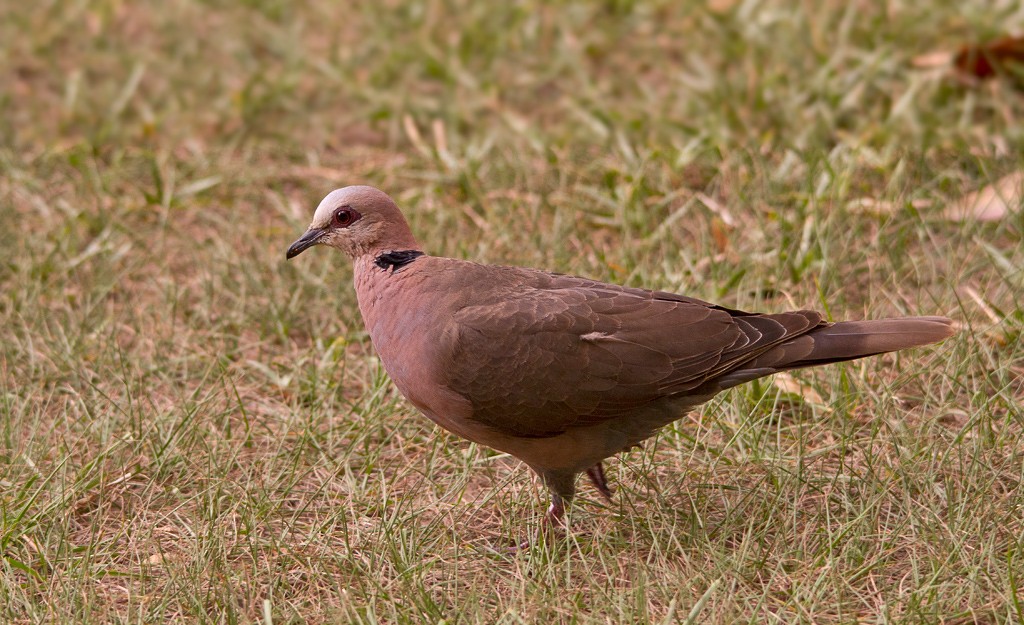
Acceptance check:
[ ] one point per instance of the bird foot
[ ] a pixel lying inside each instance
(553, 525)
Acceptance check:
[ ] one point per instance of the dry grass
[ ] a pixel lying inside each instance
(194, 429)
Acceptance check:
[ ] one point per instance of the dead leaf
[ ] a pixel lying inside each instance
(873, 206)
(992, 58)
(788, 384)
(931, 60)
(721, 7)
(414, 136)
(991, 203)
(982, 304)
(717, 208)
(998, 333)
(720, 234)
(884, 207)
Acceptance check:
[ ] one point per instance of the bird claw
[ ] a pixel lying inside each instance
(553, 524)
(596, 475)
(554, 521)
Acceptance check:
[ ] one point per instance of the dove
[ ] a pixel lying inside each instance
(560, 371)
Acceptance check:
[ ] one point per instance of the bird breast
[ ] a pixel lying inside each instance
(407, 323)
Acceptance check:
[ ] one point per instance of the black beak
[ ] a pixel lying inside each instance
(306, 241)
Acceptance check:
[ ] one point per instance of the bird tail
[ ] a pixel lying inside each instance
(845, 340)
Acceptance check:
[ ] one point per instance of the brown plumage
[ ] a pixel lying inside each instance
(559, 371)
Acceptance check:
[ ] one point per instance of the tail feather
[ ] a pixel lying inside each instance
(848, 340)
(845, 340)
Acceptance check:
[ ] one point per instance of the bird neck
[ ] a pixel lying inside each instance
(388, 237)
(395, 259)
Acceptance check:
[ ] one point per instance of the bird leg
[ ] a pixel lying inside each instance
(553, 523)
(562, 486)
(555, 517)
(596, 475)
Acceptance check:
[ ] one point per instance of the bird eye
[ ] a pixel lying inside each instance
(344, 216)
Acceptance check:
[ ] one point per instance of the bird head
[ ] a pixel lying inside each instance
(357, 220)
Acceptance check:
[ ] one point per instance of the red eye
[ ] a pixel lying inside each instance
(344, 217)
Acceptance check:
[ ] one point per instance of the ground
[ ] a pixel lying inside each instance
(195, 430)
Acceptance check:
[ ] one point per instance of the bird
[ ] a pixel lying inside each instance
(563, 372)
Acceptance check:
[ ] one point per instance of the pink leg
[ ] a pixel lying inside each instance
(553, 523)
(556, 513)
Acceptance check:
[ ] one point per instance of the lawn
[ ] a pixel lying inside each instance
(193, 429)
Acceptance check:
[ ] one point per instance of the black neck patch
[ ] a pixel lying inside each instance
(396, 260)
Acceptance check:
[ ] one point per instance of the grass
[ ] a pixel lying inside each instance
(193, 429)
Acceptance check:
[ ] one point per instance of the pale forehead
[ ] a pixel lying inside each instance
(360, 197)
(333, 200)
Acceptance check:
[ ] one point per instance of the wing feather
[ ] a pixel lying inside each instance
(558, 351)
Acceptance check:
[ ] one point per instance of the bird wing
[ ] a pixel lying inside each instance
(559, 351)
